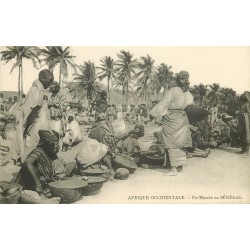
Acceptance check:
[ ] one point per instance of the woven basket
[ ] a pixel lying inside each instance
(124, 161)
(69, 190)
(13, 198)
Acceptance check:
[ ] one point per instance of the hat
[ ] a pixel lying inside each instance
(90, 151)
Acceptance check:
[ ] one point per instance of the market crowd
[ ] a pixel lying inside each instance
(45, 123)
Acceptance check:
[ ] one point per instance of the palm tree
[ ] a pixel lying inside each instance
(164, 76)
(199, 93)
(19, 53)
(126, 66)
(54, 55)
(107, 71)
(214, 93)
(145, 76)
(85, 83)
(230, 99)
(229, 96)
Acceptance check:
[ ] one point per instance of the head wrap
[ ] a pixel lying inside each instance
(46, 76)
(138, 128)
(183, 75)
(46, 138)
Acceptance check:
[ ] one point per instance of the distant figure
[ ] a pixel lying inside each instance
(2, 104)
(4, 142)
(119, 125)
(214, 114)
(9, 104)
(15, 99)
(244, 123)
(111, 113)
(101, 104)
(55, 108)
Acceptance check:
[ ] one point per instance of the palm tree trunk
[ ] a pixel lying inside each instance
(19, 82)
(108, 89)
(127, 93)
(60, 75)
(21, 78)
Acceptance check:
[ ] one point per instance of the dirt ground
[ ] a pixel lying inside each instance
(222, 177)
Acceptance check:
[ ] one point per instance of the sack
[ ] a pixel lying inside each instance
(195, 113)
(90, 151)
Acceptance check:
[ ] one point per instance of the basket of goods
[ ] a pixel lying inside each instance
(95, 184)
(124, 161)
(10, 193)
(122, 174)
(69, 190)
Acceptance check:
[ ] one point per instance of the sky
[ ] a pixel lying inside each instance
(228, 66)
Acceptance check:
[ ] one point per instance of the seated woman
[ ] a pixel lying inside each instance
(42, 165)
(103, 132)
(200, 147)
(131, 147)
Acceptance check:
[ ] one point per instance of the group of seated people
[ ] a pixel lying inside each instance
(43, 166)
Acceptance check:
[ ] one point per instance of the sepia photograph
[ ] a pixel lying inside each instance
(124, 125)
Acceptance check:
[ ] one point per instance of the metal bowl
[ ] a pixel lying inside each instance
(94, 185)
(69, 190)
(124, 161)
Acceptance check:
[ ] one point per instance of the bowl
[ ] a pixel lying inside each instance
(94, 185)
(124, 161)
(97, 172)
(12, 198)
(69, 190)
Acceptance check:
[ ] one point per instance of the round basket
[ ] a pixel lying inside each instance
(69, 190)
(124, 161)
(12, 198)
(94, 185)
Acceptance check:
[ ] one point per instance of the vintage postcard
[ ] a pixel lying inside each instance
(124, 125)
